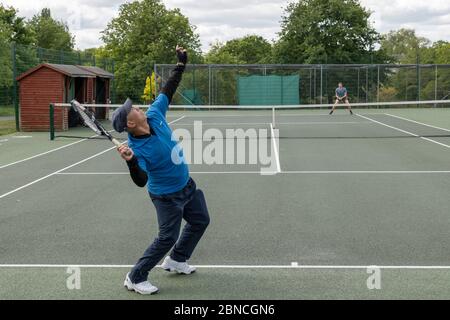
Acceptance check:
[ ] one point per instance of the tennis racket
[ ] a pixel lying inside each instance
(90, 121)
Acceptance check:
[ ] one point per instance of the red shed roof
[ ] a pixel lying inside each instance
(68, 70)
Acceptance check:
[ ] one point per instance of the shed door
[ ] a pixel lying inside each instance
(100, 88)
(76, 91)
(69, 89)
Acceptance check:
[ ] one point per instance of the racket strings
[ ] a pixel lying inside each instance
(88, 120)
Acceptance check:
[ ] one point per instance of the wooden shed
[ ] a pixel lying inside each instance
(56, 83)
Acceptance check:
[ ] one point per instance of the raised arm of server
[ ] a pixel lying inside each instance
(174, 80)
(161, 104)
(138, 175)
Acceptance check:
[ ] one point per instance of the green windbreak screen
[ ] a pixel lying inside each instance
(269, 90)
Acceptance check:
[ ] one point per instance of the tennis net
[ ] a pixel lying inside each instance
(408, 119)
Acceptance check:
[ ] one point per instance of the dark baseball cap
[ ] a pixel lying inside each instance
(119, 116)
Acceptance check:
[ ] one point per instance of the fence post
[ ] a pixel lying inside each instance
(357, 86)
(209, 84)
(194, 96)
(310, 84)
(315, 84)
(52, 121)
(367, 84)
(435, 83)
(418, 77)
(265, 82)
(113, 85)
(15, 98)
(321, 80)
(378, 85)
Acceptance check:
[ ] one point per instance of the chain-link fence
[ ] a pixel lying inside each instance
(219, 84)
(16, 59)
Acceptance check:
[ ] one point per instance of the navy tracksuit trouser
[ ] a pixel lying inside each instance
(188, 204)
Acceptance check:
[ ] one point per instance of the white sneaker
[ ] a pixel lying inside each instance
(142, 287)
(181, 267)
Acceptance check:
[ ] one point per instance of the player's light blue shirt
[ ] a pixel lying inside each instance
(160, 156)
(341, 92)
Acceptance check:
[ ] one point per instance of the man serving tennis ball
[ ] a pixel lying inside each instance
(155, 160)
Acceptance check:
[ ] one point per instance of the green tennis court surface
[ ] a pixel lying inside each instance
(376, 196)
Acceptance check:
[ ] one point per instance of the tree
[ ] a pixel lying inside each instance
(145, 33)
(404, 46)
(441, 52)
(14, 28)
(327, 31)
(414, 82)
(216, 55)
(51, 34)
(5, 59)
(251, 49)
(438, 53)
(100, 55)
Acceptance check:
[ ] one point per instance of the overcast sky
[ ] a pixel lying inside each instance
(221, 20)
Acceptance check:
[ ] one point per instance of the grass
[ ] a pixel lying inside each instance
(6, 111)
(7, 127)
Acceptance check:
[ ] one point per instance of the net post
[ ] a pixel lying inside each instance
(52, 121)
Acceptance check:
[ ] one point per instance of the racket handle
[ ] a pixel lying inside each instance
(118, 144)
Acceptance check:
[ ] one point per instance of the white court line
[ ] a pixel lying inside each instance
(304, 115)
(50, 151)
(275, 146)
(322, 114)
(222, 115)
(92, 173)
(324, 122)
(290, 266)
(282, 123)
(127, 173)
(44, 153)
(281, 172)
(54, 173)
(404, 131)
(421, 123)
(368, 172)
(224, 123)
(58, 171)
(176, 120)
